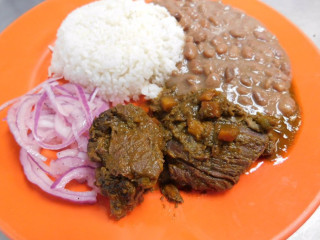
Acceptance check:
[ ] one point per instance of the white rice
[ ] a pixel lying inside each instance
(125, 48)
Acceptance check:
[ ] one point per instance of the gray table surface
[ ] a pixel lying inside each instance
(305, 14)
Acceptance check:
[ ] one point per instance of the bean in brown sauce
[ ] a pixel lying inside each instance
(276, 62)
(244, 100)
(208, 51)
(234, 52)
(204, 23)
(259, 58)
(230, 73)
(260, 96)
(280, 86)
(267, 84)
(285, 68)
(278, 52)
(214, 20)
(237, 32)
(175, 73)
(199, 36)
(193, 81)
(287, 105)
(185, 22)
(202, 9)
(213, 80)
(246, 81)
(195, 66)
(247, 52)
(243, 90)
(190, 50)
(189, 38)
(208, 68)
(222, 48)
(217, 40)
(177, 16)
(261, 35)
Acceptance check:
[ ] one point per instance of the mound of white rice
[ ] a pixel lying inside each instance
(125, 48)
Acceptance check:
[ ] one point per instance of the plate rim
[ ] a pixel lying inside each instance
(294, 226)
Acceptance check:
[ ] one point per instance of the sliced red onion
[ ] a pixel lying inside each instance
(40, 164)
(64, 164)
(83, 155)
(47, 122)
(37, 114)
(30, 146)
(77, 173)
(53, 101)
(63, 90)
(56, 117)
(37, 176)
(93, 95)
(68, 152)
(84, 104)
(52, 81)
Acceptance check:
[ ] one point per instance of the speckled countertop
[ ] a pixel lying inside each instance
(305, 14)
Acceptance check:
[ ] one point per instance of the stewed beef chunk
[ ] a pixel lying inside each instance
(128, 144)
(220, 170)
(210, 141)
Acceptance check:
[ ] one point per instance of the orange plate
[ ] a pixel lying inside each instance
(271, 202)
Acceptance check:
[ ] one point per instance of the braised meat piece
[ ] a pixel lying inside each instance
(210, 141)
(128, 144)
(220, 170)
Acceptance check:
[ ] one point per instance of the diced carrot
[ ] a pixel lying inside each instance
(210, 109)
(195, 128)
(207, 95)
(167, 103)
(228, 133)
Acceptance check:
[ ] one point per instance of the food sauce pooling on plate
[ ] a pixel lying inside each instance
(234, 53)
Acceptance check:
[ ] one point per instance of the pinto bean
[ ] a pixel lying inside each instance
(208, 52)
(280, 86)
(193, 80)
(287, 105)
(217, 40)
(213, 80)
(230, 73)
(185, 22)
(222, 48)
(234, 52)
(190, 51)
(208, 68)
(243, 90)
(237, 32)
(244, 100)
(246, 81)
(247, 52)
(195, 66)
(261, 35)
(260, 96)
(199, 36)
(268, 83)
(214, 20)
